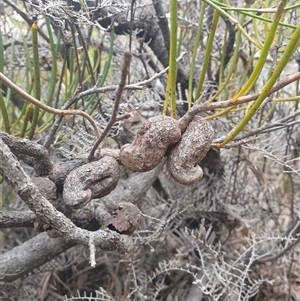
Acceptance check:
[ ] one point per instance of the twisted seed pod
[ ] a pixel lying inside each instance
(90, 181)
(190, 150)
(150, 144)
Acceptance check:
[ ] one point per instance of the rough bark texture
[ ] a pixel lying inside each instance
(32, 153)
(124, 219)
(61, 170)
(89, 181)
(46, 187)
(150, 144)
(14, 175)
(190, 150)
(16, 219)
(132, 188)
(30, 255)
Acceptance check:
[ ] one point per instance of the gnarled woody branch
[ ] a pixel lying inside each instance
(16, 219)
(26, 149)
(14, 174)
(30, 255)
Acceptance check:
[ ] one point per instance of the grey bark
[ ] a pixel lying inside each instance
(14, 175)
(30, 255)
(132, 188)
(90, 181)
(16, 219)
(32, 153)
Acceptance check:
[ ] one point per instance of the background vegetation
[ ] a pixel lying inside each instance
(234, 235)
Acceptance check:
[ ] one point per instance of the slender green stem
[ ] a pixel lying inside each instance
(53, 76)
(42, 106)
(22, 116)
(1, 53)
(171, 85)
(255, 29)
(10, 70)
(71, 76)
(71, 60)
(294, 98)
(26, 117)
(288, 52)
(182, 30)
(219, 8)
(256, 10)
(2, 102)
(195, 49)
(268, 115)
(220, 113)
(106, 66)
(257, 17)
(166, 102)
(223, 54)
(37, 78)
(54, 52)
(232, 63)
(28, 66)
(263, 54)
(109, 58)
(4, 114)
(208, 51)
(291, 7)
(83, 6)
(87, 62)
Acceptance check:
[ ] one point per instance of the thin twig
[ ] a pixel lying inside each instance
(27, 19)
(94, 90)
(9, 219)
(58, 119)
(80, 74)
(113, 117)
(86, 58)
(124, 116)
(188, 117)
(46, 108)
(133, 3)
(196, 108)
(137, 86)
(92, 250)
(293, 232)
(277, 125)
(277, 256)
